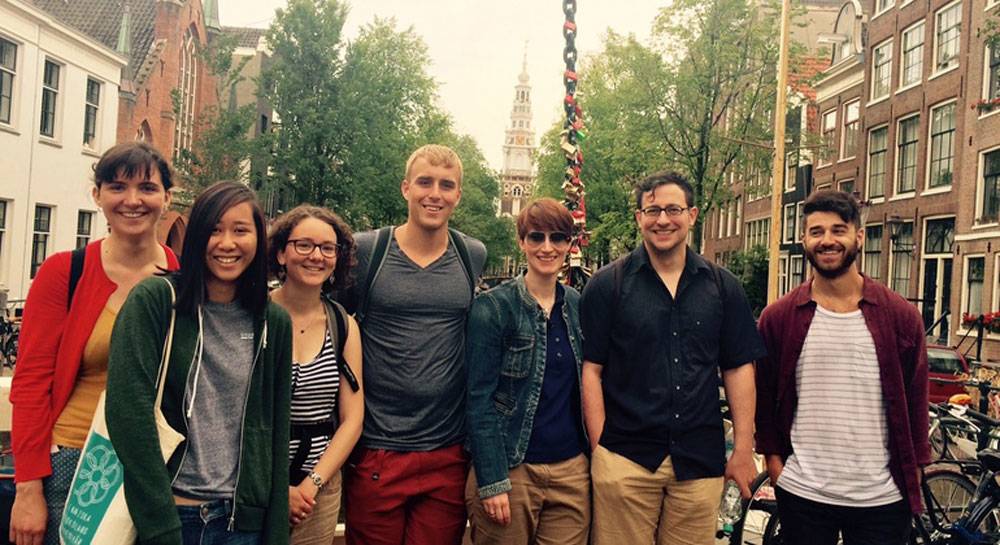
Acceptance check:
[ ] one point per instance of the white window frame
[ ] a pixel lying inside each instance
(800, 222)
(920, 29)
(964, 303)
(956, 59)
(987, 79)
(84, 238)
(930, 146)
(57, 93)
(888, 5)
(980, 190)
(840, 185)
(868, 163)
(829, 149)
(885, 45)
(791, 162)
(896, 178)
(784, 223)
(891, 271)
(881, 252)
(95, 141)
(11, 72)
(35, 232)
(783, 273)
(739, 213)
(792, 261)
(857, 130)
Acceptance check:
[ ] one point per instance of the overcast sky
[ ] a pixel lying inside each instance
(476, 49)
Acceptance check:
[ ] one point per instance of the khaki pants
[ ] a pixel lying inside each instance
(549, 504)
(320, 527)
(632, 505)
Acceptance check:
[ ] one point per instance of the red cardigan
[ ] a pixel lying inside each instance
(49, 352)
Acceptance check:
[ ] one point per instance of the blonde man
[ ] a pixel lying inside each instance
(414, 285)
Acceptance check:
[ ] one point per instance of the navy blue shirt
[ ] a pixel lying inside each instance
(557, 429)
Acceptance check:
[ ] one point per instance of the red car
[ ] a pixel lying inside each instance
(945, 363)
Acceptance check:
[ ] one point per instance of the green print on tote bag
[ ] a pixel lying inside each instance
(96, 513)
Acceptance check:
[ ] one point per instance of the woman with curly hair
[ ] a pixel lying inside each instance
(311, 252)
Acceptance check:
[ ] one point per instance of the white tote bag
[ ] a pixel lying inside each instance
(96, 513)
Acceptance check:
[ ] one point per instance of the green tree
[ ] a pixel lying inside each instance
(222, 147)
(750, 267)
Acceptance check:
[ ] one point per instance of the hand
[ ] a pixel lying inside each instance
(29, 514)
(498, 508)
(741, 470)
(775, 465)
(300, 504)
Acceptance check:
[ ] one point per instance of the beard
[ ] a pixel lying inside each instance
(850, 256)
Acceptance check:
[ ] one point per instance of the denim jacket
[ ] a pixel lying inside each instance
(505, 360)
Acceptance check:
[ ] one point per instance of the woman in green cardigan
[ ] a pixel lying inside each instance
(227, 387)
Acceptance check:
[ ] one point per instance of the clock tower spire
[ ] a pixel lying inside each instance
(517, 178)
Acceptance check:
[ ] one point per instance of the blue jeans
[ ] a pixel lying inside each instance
(208, 523)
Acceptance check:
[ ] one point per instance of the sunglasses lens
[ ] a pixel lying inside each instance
(536, 238)
(559, 238)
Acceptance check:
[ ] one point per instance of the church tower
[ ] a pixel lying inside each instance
(517, 179)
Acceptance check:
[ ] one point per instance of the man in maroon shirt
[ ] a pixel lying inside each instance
(842, 395)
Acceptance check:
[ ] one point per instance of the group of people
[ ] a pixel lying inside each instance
(583, 417)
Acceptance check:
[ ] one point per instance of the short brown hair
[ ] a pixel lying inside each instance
(129, 159)
(436, 155)
(282, 228)
(839, 202)
(544, 214)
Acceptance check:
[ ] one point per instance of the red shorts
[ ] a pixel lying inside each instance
(415, 498)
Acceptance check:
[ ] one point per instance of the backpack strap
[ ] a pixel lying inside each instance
(336, 324)
(75, 272)
(375, 262)
(463, 253)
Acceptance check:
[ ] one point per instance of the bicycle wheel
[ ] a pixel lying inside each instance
(984, 522)
(947, 496)
(754, 525)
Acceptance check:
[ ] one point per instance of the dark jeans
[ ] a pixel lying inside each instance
(806, 522)
(208, 523)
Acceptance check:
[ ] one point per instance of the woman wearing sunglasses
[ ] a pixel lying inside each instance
(531, 479)
(311, 251)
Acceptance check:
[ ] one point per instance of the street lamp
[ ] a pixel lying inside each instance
(895, 225)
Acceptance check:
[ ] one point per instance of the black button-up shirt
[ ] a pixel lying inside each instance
(661, 357)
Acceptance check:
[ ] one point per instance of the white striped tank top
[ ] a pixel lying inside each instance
(315, 387)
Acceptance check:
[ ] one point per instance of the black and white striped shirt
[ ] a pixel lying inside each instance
(315, 386)
(839, 436)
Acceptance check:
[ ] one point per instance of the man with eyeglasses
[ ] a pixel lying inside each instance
(658, 326)
(414, 285)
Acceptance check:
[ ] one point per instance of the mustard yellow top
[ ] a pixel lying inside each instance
(71, 428)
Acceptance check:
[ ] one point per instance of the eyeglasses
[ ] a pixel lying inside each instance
(653, 212)
(305, 247)
(537, 238)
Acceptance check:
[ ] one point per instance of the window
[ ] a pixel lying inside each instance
(912, 66)
(935, 279)
(84, 224)
(3, 224)
(50, 99)
(758, 233)
(796, 274)
(738, 214)
(902, 258)
(8, 69)
(881, 70)
(93, 102)
(989, 207)
(942, 145)
(906, 155)
(882, 5)
(782, 274)
(872, 256)
(992, 86)
(849, 143)
(877, 145)
(40, 239)
(975, 272)
(791, 169)
(847, 186)
(789, 235)
(946, 37)
(185, 99)
(801, 219)
(829, 129)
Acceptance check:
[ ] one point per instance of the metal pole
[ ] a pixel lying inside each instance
(777, 175)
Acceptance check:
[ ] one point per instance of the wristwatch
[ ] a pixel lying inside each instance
(316, 479)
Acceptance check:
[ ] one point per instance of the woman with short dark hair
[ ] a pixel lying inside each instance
(62, 362)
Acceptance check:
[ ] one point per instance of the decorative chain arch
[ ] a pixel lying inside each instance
(571, 137)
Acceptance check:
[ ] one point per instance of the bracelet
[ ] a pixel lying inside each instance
(316, 479)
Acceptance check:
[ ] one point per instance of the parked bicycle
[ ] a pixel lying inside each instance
(960, 511)
(9, 333)
(958, 432)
